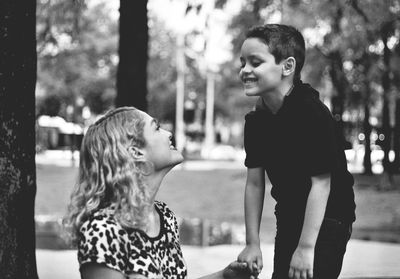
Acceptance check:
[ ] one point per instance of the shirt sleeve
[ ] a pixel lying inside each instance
(103, 242)
(321, 142)
(252, 142)
(140, 259)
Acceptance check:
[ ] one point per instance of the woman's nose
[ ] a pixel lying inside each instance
(169, 134)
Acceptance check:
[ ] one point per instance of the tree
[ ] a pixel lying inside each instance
(133, 45)
(71, 37)
(162, 72)
(380, 24)
(17, 139)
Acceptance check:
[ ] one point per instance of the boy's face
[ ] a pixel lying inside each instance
(259, 73)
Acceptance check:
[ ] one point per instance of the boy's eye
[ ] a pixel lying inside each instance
(255, 63)
(242, 63)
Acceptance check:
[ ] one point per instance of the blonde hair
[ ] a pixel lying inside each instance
(109, 174)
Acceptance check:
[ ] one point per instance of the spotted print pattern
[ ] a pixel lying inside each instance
(102, 240)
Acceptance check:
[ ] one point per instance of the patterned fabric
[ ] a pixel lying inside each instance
(104, 241)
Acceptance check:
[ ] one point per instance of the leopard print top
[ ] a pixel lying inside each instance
(103, 241)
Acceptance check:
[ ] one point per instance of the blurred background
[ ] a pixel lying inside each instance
(178, 60)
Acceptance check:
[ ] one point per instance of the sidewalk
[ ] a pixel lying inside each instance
(364, 259)
(64, 158)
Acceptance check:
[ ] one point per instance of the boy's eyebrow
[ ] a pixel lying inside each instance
(256, 56)
(251, 56)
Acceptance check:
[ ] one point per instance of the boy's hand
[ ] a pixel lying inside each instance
(236, 270)
(252, 255)
(302, 263)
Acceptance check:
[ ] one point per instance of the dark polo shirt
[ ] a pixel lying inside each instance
(296, 143)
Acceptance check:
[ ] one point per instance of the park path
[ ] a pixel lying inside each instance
(364, 259)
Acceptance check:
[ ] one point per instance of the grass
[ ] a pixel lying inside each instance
(218, 196)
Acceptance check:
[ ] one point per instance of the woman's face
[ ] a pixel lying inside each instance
(158, 147)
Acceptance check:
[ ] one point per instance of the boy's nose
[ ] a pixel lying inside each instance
(246, 69)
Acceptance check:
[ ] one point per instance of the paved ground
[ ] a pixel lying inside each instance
(364, 259)
(65, 158)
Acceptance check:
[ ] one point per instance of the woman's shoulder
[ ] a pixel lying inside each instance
(102, 224)
(102, 240)
(168, 216)
(164, 209)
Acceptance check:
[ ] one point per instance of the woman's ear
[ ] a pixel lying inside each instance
(289, 66)
(136, 152)
(144, 166)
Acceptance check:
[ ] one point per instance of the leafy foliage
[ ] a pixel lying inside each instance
(77, 53)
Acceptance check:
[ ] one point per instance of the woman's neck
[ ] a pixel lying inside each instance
(154, 223)
(153, 182)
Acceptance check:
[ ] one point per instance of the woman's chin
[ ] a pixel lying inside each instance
(179, 160)
(176, 161)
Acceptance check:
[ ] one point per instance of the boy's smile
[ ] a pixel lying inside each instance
(259, 72)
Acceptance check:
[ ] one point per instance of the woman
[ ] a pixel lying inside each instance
(120, 229)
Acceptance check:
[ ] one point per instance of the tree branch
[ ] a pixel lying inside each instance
(324, 53)
(360, 12)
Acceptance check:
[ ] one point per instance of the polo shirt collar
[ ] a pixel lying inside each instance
(262, 107)
(299, 90)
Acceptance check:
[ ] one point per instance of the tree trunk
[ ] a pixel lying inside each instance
(17, 139)
(396, 138)
(367, 144)
(340, 84)
(336, 71)
(386, 129)
(387, 178)
(385, 113)
(133, 56)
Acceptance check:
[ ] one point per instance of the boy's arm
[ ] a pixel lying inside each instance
(253, 204)
(303, 258)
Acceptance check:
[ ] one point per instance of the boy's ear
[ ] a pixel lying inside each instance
(289, 66)
(136, 152)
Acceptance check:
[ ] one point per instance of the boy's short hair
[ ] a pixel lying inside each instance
(283, 41)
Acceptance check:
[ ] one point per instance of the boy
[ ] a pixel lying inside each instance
(291, 136)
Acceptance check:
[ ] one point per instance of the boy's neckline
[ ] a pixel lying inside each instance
(265, 107)
(290, 90)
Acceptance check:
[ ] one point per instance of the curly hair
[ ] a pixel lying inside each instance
(108, 173)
